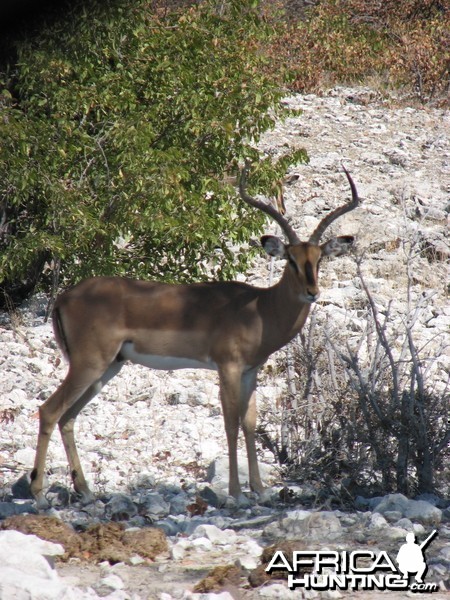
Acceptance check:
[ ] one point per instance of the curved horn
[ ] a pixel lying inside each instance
(267, 208)
(335, 214)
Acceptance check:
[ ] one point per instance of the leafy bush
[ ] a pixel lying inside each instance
(118, 124)
(404, 43)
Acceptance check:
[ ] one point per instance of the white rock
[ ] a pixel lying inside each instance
(298, 515)
(218, 473)
(418, 528)
(209, 448)
(113, 581)
(277, 591)
(136, 560)
(215, 535)
(25, 574)
(377, 521)
(315, 525)
(16, 397)
(424, 512)
(208, 596)
(249, 554)
(251, 547)
(405, 523)
(395, 533)
(178, 550)
(445, 552)
(415, 510)
(202, 543)
(40, 366)
(15, 542)
(25, 456)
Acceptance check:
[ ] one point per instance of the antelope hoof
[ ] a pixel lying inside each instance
(242, 501)
(85, 497)
(41, 501)
(257, 487)
(39, 497)
(265, 496)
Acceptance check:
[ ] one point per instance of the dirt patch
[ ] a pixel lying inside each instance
(148, 543)
(259, 576)
(219, 579)
(46, 528)
(101, 542)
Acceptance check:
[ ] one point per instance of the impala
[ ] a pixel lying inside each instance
(229, 327)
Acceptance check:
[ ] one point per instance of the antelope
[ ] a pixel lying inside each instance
(229, 327)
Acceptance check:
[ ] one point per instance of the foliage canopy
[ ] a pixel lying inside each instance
(118, 123)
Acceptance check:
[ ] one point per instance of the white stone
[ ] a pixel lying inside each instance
(113, 581)
(252, 547)
(136, 560)
(16, 397)
(215, 535)
(178, 550)
(377, 521)
(315, 525)
(202, 543)
(25, 456)
(249, 553)
(208, 596)
(12, 541)
(395, 533)
(424, 512)
(25, 574)
(277, 591)
(445, 552)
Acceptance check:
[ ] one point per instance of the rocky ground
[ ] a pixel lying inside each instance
(146, 442)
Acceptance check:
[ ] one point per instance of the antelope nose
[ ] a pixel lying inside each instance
(312, 296)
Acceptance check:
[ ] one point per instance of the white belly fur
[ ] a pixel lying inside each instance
(165, 363)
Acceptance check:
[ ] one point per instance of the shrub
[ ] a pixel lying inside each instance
(405, 44)
(369, 415)
(118, 124)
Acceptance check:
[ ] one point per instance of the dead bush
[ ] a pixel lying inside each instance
(366, 411)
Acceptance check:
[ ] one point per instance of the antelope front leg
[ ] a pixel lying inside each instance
(230, 383)
(248, 421)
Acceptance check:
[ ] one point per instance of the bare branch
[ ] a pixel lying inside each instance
(381, 334)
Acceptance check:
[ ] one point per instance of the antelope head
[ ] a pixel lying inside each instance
(303, 258)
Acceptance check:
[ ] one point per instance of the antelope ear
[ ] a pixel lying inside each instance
(337, 246)
(273, 246)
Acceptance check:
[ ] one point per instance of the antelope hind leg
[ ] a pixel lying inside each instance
(72, 389)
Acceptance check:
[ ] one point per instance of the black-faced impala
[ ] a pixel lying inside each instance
(229, 327)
